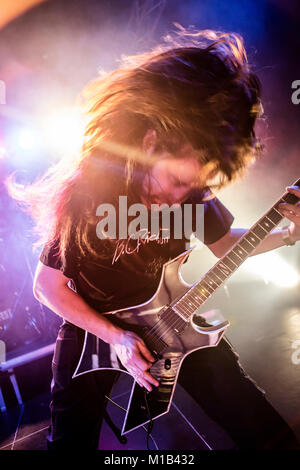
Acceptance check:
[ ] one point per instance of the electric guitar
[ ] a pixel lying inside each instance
(172, 326)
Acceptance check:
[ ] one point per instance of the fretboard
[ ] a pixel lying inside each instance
(201, 291)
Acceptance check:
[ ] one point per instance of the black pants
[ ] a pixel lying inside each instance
(212, 376)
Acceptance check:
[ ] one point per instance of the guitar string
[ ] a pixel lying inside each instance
(166, 331)
(158, 338)
(157, 326)
(155, 329)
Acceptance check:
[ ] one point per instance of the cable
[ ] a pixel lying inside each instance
(144, 427)
(150, 425)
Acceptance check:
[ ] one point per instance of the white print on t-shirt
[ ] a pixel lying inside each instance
(132, 244)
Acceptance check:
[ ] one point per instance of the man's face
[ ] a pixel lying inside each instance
(171, 178)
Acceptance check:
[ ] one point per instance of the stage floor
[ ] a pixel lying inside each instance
(264, 330)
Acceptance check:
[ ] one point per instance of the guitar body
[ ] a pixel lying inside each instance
(169, 336)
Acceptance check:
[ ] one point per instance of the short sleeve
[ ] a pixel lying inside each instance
(50, 257)
(217, 218)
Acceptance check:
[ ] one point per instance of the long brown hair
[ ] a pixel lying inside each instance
(197, 87)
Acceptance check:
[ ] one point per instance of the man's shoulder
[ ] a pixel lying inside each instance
(200, 196)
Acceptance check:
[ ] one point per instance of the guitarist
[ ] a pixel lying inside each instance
(161, 130)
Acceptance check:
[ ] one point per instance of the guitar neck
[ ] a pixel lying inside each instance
(197, 295)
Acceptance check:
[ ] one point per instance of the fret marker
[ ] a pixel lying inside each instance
(224, 268)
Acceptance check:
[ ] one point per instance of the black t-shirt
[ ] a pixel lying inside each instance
(131, 275)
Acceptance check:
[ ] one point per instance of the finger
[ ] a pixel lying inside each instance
(146, 385)
(289, 208)
(288, 214)
(144, 379)
(294, 190)
(140, 362)
(150, 379)
(143, 383)
(145, 351)
(292, 217)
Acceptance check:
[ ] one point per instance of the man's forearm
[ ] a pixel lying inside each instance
(73, 308)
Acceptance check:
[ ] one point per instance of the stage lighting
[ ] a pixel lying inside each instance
(273, 268)
(2, 152)
(62, 131)
(27, 139)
